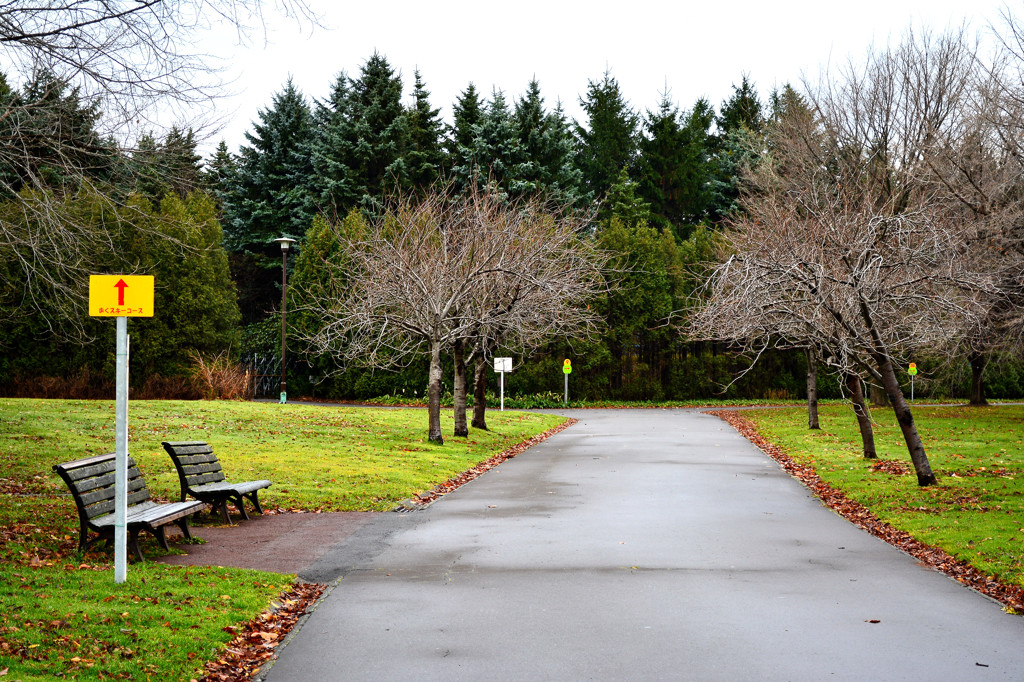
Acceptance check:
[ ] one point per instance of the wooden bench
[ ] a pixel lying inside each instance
(91, 481)
(202, 477)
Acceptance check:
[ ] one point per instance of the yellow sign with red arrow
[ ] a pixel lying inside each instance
(121, 295)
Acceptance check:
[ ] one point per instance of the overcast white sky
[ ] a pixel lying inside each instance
(693, 49)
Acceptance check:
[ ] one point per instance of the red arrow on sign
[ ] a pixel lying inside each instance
(120, 286)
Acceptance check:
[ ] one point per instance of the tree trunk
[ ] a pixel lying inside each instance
(480, 393)
(906, 422)
(860, 408)
(812, 388)
(434, 394)
(978, 363)
(877, 395)
(459, 388)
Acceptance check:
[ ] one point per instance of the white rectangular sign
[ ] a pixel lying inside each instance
(502, 364)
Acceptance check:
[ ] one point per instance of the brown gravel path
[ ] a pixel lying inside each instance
(279, 542)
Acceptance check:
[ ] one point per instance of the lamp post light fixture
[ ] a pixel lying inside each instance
(285, 243)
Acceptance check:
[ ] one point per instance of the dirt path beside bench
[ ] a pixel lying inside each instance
(281, 543)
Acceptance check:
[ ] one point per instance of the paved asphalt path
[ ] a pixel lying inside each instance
(640, 545)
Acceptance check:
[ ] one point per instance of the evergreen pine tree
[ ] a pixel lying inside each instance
(183, 167)
(219, 170)
(558, 159)
(496, 155)
(531, 126)
(271, 194)
(674, 165)
(609, 141)
(425, 158)
(624, 203)
(742, 110)
(219, 175)
(788, 103)
(467, 115)
(55, 142)
(660, 166)
(737, 144)
(332, 150)
(380, 130)
(169, 166)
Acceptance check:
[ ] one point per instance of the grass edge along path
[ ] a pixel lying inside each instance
(1011, 596)
(247, 641)
(249, 652)
(427, 498)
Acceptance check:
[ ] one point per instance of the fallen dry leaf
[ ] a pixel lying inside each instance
(253, 646)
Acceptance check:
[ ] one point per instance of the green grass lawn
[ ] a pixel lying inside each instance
(61, 614)
(976, 513)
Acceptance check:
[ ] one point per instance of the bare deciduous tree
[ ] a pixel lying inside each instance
(844, 243)
(132, 53)
(96, 70)
(454, 272)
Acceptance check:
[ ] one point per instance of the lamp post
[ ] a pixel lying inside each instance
(285, 243)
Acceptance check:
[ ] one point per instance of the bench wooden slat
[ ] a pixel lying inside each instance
(107, 506)
(195, 469)
(194, 481)
(69, 470)
(102, 465)
(192, 447)
(201, 476)
(236, 488)
(91, 481)
(207, 458)
(107, 492)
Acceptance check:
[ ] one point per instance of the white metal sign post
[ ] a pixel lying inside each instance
(121, 457)
(121, 297)
(502, 365)
(912, 371)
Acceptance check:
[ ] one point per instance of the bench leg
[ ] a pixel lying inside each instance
(255, 501)
(182, 523)
(133, 544)
(239, 502)
(158, 532)
(223, 504)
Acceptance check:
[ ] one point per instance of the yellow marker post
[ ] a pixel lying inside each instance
(121, 296)
(566, 370)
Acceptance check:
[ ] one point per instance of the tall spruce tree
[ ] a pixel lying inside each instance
(531, 127)
(547, 143)
(468, 114)
(558, 159)
(425, 157)
(674, 168)
(743, 109)
(50, 138)
(380, 130)
(737, 144)
(332, 150)
(271, 193)
(495, 153)
(608, 143)
(219, 173)
(662, 154)
(171, 165)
